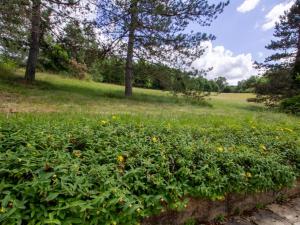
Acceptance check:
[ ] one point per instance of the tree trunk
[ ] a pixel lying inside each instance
(34, 41)
(130, 49)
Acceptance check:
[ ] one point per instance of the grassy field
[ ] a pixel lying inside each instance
(55, 94)
(78, 152)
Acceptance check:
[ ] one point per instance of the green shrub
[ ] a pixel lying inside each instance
(7, 67)
(291, 105)
(109, 171)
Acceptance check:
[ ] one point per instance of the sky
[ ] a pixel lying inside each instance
(242, 31)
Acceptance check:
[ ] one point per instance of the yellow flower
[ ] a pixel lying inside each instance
(114, 117)
(77, 153)
(220, 149)
(103, 122)
(220, 198)
(120, 159)
(114, 223)
(154, 139)
(29, 145)
(248, 175)
(262, 147)
(289, 130)
(2, 210)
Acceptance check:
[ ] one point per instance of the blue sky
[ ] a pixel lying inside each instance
(242, 31)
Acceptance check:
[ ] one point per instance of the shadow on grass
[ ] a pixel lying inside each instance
(95, 93)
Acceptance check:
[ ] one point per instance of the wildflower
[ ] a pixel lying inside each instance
(262, 147)
(289, 130)
(114, 117)
(29, 145)
(154, 139)
(138, 210)
(77, 153)
(120, 159)
(220, 149)
(103, 122)
(114, 223)
(248, 175)
(220, 198)
(2, 210)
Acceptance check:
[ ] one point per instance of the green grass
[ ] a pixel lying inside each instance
(56, 94)
(79, 152)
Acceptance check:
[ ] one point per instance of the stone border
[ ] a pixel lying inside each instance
(207, 210)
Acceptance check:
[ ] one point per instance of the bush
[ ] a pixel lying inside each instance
(109, 171)
(7, 67)
(77, 70)
(291, 105)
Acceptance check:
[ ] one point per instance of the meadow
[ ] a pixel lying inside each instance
(78, 152)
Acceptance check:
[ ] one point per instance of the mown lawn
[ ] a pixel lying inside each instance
(79, 152)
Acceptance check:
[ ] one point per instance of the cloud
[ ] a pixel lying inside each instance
(225, 63)
(247, 6)
(274, 14)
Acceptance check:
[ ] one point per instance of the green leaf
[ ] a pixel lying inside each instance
(52, 196)
(52, 221)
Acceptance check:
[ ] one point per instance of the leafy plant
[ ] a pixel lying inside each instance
(109, 171)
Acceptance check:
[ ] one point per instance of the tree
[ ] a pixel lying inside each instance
(14, 29)
(47, 15)
(222, 83)
(156, 30)
(287, 47)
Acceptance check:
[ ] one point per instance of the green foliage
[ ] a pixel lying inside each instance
(110, 70)
(53, 57)
(248, 85)
(111, 171)
(291, 105)
(7, 66)
(284, 65)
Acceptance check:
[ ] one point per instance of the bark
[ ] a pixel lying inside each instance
(296, 70)
(34, 41)
(130, 49)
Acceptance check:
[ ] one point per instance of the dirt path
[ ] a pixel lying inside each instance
(275, 214)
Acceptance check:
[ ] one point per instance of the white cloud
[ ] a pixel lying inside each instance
(273, 15)
(225, 63)
(247, 6)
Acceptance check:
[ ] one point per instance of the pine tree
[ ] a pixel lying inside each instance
(156, 30)
(287, 47)
(46, 16)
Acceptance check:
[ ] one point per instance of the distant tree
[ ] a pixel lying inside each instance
(247, 85)
(156, 29)
(222, 83)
